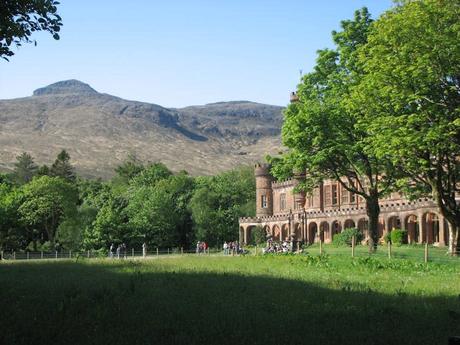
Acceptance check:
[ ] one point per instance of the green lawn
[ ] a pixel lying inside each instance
(230, 300)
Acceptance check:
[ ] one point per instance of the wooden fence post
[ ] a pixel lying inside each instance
(27, 255)
(88, 254)
(389, 249)
(14, 255)
(320, 246)
(181, 250)
(132, 252)
(41, 254)
(157, 252)
(56, 254)
(352, 246)
(426, 252)
(70, 254)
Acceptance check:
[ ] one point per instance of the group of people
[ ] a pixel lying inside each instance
(233, 248)
(118, 252)
(201, 247)
(283, 247)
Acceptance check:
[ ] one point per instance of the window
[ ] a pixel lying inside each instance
(264, 201)
(282, 201)
(344, 195)
(327, 195)
(335, 195)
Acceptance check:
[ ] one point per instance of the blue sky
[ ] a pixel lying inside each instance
(178, 53)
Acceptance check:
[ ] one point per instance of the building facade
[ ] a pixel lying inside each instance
(286, 215)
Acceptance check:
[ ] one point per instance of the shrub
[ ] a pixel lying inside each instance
(258, 235)
(345, 237)
(398, 236)
(387, 237)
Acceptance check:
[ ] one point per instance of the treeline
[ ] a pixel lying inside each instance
(48, 208)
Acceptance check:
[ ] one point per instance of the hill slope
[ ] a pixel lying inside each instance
(100, 131)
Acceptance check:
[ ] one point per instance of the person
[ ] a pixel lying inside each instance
(118, 251)
(198, 245)
(111, 250)
(225, 248)
(205, 247)
(144, 249)
(123, 250)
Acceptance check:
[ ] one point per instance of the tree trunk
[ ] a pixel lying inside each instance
(454, 240)
(373, 212)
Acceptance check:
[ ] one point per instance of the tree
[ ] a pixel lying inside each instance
(47, 202)
(410, 99)
(219, 201)
(20, 18)
(13, 234)
(62, 167)
(323, 136)
(25, 168)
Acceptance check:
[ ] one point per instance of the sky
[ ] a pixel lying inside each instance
(182, 52)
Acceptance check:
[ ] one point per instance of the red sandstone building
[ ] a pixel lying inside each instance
(288, 215)
(285, 214)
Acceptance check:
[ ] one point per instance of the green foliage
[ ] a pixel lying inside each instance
(409, 98)
(345, 237)
(219, 201)
(323, 135)
(258, 235)
(47, 201)
(24, 169)
(19, 19)
(62, 167)
(398, 236)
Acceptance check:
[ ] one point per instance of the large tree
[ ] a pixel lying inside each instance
(62, 167)
(410, 99)
(323, 136)
(47, 201)
(219, 201)
(25, 168)
(20, 18)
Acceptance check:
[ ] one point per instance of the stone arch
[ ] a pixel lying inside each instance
(393, 222)
(413, 228)
(276, 231)
(284, 232)
(298, 232)
(241, 234)
(431, 226)
(268, 232)
(324, 232)
(363, 226)
(336, 228)
(349, 223)
(312, 232)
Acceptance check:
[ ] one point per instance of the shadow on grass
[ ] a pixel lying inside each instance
(73, 303)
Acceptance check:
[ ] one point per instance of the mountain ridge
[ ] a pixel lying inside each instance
(100, 130)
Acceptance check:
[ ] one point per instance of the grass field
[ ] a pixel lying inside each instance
(230, 300)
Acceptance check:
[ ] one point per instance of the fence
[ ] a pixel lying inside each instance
(91, 254)
(421, 253)
(416, 253)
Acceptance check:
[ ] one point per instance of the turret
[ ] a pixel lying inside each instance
(299, 197)
(294, 98)
(264, 193)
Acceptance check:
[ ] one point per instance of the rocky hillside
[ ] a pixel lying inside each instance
(100, 131)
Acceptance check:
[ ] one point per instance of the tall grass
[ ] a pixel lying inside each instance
(298, 299)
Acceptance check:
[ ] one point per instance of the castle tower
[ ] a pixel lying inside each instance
(264, 194)
(299, 197)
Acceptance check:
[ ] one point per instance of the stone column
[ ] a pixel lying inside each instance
(442, 240)
(421, 227)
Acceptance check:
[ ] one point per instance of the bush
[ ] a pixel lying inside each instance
(345, 237)
(398, 236)
(258, 235)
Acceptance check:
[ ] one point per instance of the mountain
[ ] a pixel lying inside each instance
(100, 131)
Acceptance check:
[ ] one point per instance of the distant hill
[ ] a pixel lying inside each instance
(100, 131)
